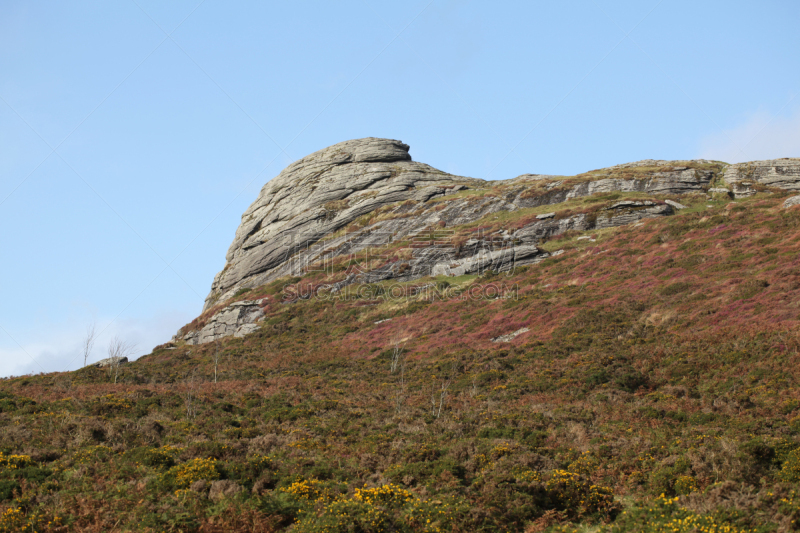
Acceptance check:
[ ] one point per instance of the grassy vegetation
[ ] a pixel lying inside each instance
(657, 390)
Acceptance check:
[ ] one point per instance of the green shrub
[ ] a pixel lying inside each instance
(748, 289)
(29, 473)
(163, 457)
(7, 488)
(247, 472)
(92, 454)
(675, 288)
(791, 467)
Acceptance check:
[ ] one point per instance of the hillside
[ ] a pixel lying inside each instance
(393, 348)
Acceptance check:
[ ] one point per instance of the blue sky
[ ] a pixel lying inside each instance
(134, 134)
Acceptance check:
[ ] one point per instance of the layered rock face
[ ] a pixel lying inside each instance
(780, 173)
(319, 195)
(365, 194)
(237, 319)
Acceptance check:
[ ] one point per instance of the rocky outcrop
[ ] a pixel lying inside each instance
(503, 253)
(322, 195)
(617, 214)
(675, 180)
(362, 195)
(780, 173)
(237, 319)
(628, 212)
(319, 195)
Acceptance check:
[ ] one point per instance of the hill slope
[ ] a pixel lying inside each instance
(645, 378)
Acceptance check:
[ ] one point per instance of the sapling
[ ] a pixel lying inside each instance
(397, 357)
(191, 409)
(117, 351)
(216, 355)
(88, 342)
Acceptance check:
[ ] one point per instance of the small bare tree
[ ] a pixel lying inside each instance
(191, 407)
(397, 357)
(442, 395)
(118, 353)
(88, 342)
(442, 391)
(400, 391)
(216, 355)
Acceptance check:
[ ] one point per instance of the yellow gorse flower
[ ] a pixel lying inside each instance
(185, 474)
(13, 462)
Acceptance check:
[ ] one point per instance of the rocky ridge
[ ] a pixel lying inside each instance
(366, 194)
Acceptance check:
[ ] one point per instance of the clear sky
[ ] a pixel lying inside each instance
(133, 134)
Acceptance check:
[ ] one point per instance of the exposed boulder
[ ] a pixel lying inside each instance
(674, 204)
(791, 201)
(110, 361)
(511, 336)
(742, 189)
(618, 214)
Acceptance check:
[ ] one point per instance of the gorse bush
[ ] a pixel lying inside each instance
(14, 461)
(791, 466)
(309, 489)
(579, 497)
(667, 515)
(379, 509)
(15, 520)
(163, 457)
(93, 453)
(685, 485)
(585, 465)
(12, 520)
(183, 475)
